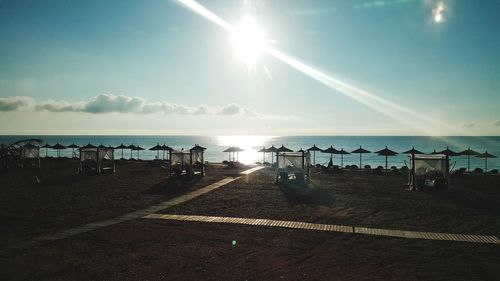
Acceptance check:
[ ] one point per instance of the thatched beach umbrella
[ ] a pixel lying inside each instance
(58, 148)
(314, 148)
(486, 155)
(449, 152)
(138, 148)
(434, 152)
(272, 149)
(122, 147)
(469, 152)
(46, 146)
(156, 148)
(132, 148)
(361, 151)
(232, 151)
(342, 152)
(412, 151)
(263, 150)
(332, 151)
(73, 146)
(165, 148)
(386, 152)
(102, 146)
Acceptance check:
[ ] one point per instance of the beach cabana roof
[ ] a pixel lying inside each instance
(314, 148)
(360, 150)
(198, 147)
(30, 145)
(284, 149)
(413, 151)
(449, 152)
(102, 146)
(88, 146)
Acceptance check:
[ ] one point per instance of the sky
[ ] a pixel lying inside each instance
(353, 67)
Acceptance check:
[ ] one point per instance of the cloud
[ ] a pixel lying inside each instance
(109, 103)
(16, 103)
(496, 123)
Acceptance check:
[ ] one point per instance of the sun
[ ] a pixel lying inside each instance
(248, 40)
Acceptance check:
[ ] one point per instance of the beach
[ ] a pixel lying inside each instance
(151, 249)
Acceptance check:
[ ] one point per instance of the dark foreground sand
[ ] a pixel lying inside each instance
(156, 249)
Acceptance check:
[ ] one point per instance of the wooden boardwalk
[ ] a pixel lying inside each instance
(334, 228)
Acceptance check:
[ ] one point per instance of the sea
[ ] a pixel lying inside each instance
(216, 144)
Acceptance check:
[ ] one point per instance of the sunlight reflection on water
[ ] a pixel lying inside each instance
(249, 143)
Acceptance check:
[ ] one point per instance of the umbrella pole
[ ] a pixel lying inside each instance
(468, 162)
(314, 157)
(360, 161)
(341, 160)
(122, 153)
(485, 164)
(386, 163)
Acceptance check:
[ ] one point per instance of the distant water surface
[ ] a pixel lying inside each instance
(215, 146)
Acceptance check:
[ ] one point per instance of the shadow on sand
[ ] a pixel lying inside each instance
(173, 186)
(297, 194)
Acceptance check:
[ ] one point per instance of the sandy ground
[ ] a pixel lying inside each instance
(65, 199)
(157, 249)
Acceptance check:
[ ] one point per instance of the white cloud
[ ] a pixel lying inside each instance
(496, 123)
(109, 103)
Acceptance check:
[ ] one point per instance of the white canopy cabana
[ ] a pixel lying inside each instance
(435, 166)
(293, 165)
(188, 162)
(97, 158)
(30, 153)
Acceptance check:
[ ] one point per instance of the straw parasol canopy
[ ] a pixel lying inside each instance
(73, 146)
(232, 151)
(386, 152)
(156, 148)
(332, 151)
(284, 149)
(434, 152)
(449, 152)
(102, 146)
(469, 152)
(301, 150)
(486, 155)
(263, 150)
(413, 151)
(360, 151)
(342, 152)
(122, 147)
(58, 148)
(314, 148)
(46, 146)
